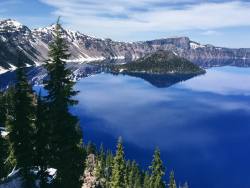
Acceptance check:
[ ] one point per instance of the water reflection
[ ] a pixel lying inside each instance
(224, 81)
(201, 124)
(162, 80)
(203, 132)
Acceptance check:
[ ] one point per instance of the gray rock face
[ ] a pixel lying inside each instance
(34, 45)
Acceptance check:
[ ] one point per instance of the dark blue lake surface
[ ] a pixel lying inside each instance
(201, 125)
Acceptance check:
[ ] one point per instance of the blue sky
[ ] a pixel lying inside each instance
(217, 22)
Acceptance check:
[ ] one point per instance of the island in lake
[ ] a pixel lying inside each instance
(160, 62)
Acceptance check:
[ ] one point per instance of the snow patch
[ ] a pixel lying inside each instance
(2, 70)
(87, 59)
(3, 39)
(12, 67)
(118, 57)
(195, 45)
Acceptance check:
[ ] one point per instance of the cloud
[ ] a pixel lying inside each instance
(118, 18)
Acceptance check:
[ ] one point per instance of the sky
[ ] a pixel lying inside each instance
(224, 23)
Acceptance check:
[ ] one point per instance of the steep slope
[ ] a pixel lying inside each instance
(15, 38)
(33, 44)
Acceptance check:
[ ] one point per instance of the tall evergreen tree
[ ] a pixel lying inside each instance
(172, 183)
(65, 136)
(40, 139)
(118, 170)
(20, 124)
(157, 171)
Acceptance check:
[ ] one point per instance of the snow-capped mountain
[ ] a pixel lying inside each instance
(34, 46)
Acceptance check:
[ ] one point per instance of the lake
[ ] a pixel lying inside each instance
(201, 124)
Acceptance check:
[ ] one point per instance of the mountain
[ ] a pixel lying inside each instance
(34, 46)
(160, 62)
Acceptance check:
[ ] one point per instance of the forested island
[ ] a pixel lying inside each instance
(160, 62)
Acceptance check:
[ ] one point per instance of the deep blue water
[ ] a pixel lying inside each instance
(201, 125)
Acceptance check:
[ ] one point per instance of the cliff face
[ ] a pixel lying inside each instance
(34, 46)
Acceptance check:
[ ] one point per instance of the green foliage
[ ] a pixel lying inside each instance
(134, 176)
(157, 171)
(108, 166)
(127, 172)
(146, 180)
(20, 124)
(7, 108)
(119, 167)
(41, 145)
(172, 183)
(3, 156)
(3, 143)
(66, 151)
(100, 166)
(2, 109)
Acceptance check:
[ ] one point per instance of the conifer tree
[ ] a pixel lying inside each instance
(134, 176)
(66, 152)
(172, 183)
(108, 167)
(118, 170)
(2, 141)
(6, 106)
(40, 139)
(157, 171)
(100, 166)
(20, 124)
(2, 157)
(2, 109)
(127, 173)
(146, 180)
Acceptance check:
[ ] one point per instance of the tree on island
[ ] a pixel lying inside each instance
(66, 153)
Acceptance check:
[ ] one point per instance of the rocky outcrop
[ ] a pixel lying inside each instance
(90, 180)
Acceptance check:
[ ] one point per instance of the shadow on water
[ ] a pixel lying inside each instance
(163, 80)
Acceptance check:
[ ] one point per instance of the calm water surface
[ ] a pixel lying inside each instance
(201, 125)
